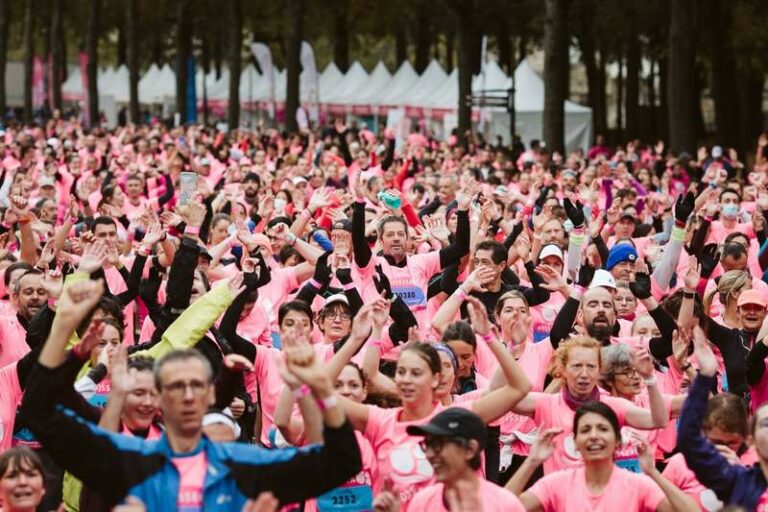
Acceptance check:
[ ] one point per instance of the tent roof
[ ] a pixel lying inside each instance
(370, 91)
(403, 79)
(329, 78)
(355, 77)
(430, 80)
(529, 91)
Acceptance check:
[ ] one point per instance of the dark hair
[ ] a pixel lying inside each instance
(360, 372)
(391, 218)
(599, 408)
(103, 221)
(726, 412)
(498, 251)
(426, 352)
(141, 364)
(733, 249)
(252, 176)
(460, 331)
(672, 305)
(294, 305)
(286, 253)
(734, 235)
(279, 220)
(181, 355)
(107, 193)
(729, 191)
(19, 456)
(115, 323)
(33, 272)
(19, 265)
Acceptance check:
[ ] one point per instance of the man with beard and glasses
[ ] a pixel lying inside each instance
(598, 312)
(27, 297)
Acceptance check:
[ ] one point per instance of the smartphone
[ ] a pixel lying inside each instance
(188, 186)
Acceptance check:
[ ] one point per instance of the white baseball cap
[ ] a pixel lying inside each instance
(602, 278)
(551, 250)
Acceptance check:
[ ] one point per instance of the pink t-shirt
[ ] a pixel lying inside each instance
(625, 491)
(273, 294)
(398, 454)
(408, 282)
(192, 471)
(13, 336)
(265, 383)
(543, 316)
(678, 473)
(10, 397)
(492, 497)
(551, 411)
(355, 495)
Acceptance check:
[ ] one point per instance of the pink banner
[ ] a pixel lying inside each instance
(83, 59)
(38, 83)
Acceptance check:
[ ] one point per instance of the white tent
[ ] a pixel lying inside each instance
(368, 93)
(355, 77)
(250, 82)
(329, 78)
(72, 88)
(402, 81)
(146, 83)
(430, 80)
(118, 85)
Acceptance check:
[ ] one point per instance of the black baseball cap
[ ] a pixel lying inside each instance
(454, 422)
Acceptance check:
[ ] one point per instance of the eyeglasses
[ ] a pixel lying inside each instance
(631, 372)
(340, 316)
(435, 444)
(179, 389)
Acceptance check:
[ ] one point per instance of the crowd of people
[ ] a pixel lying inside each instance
(341, 321)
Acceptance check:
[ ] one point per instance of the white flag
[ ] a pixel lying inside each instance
(310, 68)
(263, 56)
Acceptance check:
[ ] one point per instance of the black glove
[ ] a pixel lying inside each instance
(708, 260)
(344, 275)
(641, 286)
(382, 283)
(575, 212)
(322, 271)
(586, 273)
(684, 207)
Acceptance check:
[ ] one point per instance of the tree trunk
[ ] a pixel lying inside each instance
(401, 44)
(183, 51)
(92, 45)
(450, 39)
(341, 36)
(132, 56)
(589, 59)
(423, 38)
(295, 34)
(724, 89)
(620, 98)
(4, 23)
(750, 99)
(632, 100)
(651, 85)
(205, 60)
(681, 77)
(602, 91)
(57, 54)
(556, 73)
(504, 41)
(235, 51)
(122, 55)
(463, 12)
(29, 52)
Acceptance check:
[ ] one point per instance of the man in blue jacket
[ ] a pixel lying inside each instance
(733, 484)
(182, 470)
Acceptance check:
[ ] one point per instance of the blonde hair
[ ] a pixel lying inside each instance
(560, 357)
(729, 282)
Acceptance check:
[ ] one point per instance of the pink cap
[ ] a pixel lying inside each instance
(751, 297)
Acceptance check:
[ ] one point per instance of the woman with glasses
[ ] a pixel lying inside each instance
(621, 378)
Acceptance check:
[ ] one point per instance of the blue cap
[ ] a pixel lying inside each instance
(620, 253)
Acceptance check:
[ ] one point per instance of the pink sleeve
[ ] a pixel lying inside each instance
(9, 382)
(649, 493)
(485, 361)
(376, 417)
(431, 263)
(542, 410)
(546, 490)
(619, 406)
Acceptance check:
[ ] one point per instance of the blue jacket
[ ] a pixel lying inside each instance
(733, 485)
(116, 466)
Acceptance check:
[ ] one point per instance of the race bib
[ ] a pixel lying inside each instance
(411, 295)
(541, 332)
(352, 498)
(630, 464)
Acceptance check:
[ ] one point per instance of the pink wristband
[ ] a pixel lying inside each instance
(375, 343)
(579, 288)
(461, 293)
(348, 286)
(301, 391)
(327, 402)
(306, 215)
(314, 284)
(489, 337)
(191, 230)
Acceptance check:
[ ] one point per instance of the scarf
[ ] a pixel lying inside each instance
(574, 403)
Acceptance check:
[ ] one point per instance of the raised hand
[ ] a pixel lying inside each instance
(643, 363)
(554, 280)
(153, 235)
(692, 273)
(237, 363)
(320, 199)
(465, 194)
(681, 341)
(78, 301)
(640, 286)
(684, 207)
(47, 255)
(477, 279)
(709, 259)
(478, 316)
(363, 322)
(703, 352)
(171, 219)
(53, 282)
(544, 445)
(193, 213)
(93, 258)
(575, 212)
(244, 235)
